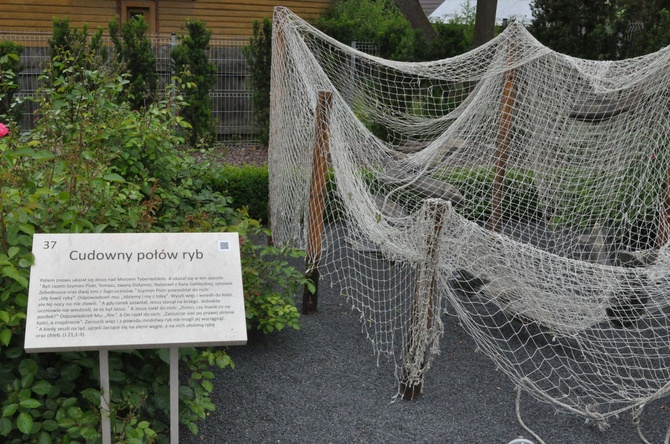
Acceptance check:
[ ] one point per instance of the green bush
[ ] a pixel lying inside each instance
(269, 279)
(133, 49)
(93, 164)
(77, 44)
(198, 74)
(10, 66)
(258, 55)
(520, 199)
(247, 186)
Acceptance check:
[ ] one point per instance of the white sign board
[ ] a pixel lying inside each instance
(135, 290)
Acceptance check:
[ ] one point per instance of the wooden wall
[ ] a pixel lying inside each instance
(226, 18)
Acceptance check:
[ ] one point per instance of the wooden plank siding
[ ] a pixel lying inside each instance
(226, 18)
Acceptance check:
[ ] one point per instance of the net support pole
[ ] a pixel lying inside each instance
(502, 147)
(317, 199)
(421, 332)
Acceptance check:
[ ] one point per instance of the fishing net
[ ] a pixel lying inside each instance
(522, 190)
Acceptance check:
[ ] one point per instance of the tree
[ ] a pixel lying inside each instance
(133, 49)
(198, 74)
(581, 28)
(69, 41)
(485, 21)
(10, 66)
(415, 15)
(258, 55)
(643, 26)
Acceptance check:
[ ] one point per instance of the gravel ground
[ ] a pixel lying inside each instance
(322, 384)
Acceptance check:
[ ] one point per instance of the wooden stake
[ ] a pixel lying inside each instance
(317, 198)
(502, 152)
(426, 273)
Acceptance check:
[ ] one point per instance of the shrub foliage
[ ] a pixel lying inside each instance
(198, 74)
(132, 47)
(93, 164)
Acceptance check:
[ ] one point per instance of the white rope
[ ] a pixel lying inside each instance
(518, 417)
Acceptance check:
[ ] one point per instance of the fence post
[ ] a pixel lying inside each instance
(502, 151)
(317, 198)
(423, 308)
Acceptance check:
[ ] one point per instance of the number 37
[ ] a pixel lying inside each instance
(49, 245)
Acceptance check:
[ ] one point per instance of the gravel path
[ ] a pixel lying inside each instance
(322, 384)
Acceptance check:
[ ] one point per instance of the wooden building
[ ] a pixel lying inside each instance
(224, 17)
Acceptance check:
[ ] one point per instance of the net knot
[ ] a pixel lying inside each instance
(592, 413)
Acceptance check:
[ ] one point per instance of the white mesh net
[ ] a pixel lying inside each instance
(523, 190)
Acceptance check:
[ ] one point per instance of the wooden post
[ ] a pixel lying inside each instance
(664, 214)
(424, 290)
(317, 198)
(502, 143)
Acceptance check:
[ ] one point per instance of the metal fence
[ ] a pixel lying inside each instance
(232, 105)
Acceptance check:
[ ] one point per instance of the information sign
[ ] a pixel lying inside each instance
(136, 290)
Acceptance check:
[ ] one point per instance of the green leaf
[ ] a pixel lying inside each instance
(117, 376)
(66, 422)
(25, 262)
(164, 354)
(186, 393)
(13, 251)
(89, 433)
(30, 403)
(91, 395)
(193, 428)
(27, 367)
(49, 425)
(44, 438)
(12, 273)
(27, 380)
(27, 228)
(24, 422)
(5, 426)
(41, 387)
(25, 151)
(21, 299)
(70, 372)
(9, 410)
(207, 385)
(5, 336)
(43, 155)
(75, 413)
(113, 177)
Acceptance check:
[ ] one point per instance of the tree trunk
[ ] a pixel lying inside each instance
(416, 17)
(485, 20)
